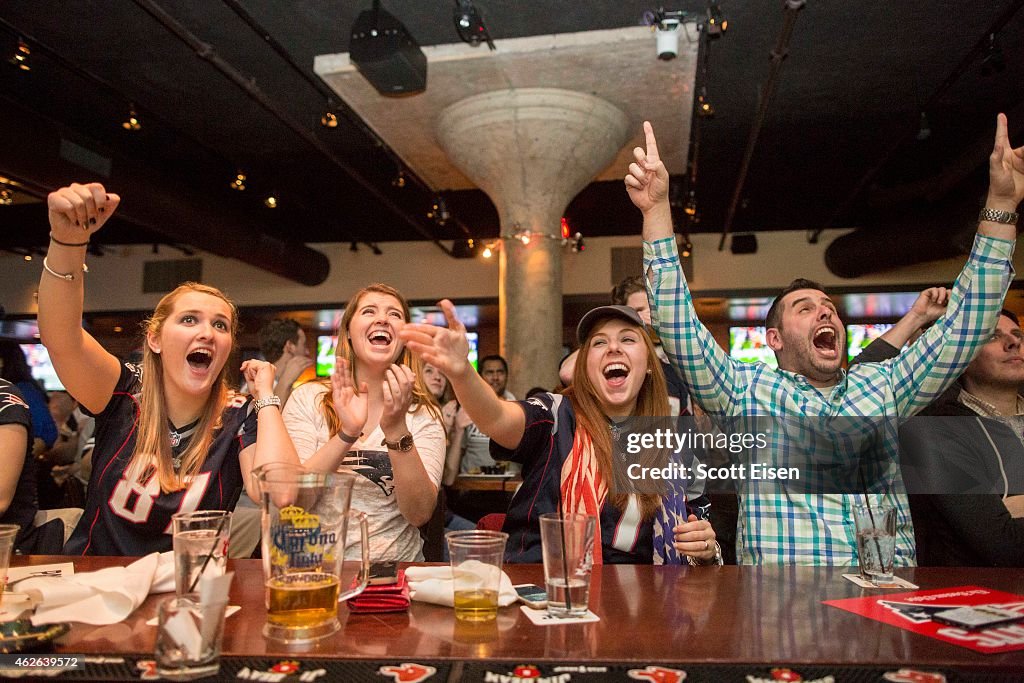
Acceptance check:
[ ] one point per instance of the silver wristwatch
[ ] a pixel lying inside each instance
(261, 403)
(998, 216)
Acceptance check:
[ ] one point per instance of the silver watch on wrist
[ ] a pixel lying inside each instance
(261, 403)
(998, 216)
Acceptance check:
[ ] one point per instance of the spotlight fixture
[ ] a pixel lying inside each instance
(686, 249)
(21, 55)
(329, 120)
(439, 211)
(6, 197)
(132, 123)
(488, 251)
(470, 25)
(690, 207)
(993, 62)
(704, 107)
(238, 183)
(271, 201)
(924, 129)
(667, 27)
(399, 180)
(578, 244)
(27, 257)
(717, 24)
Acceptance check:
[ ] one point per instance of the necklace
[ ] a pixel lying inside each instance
(177, 436)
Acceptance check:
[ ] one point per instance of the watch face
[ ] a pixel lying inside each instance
(405, 443)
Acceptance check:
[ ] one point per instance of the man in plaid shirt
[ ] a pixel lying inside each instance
(778, 526)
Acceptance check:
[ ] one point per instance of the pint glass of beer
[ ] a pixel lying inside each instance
(305, 525)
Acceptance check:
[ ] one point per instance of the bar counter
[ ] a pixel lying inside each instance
(717, 623)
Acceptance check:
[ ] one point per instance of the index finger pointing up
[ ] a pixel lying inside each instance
(449, 314)
(652, 144)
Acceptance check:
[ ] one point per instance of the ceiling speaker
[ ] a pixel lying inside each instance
(386, 54)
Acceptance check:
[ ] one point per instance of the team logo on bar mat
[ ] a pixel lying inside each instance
(408, 673)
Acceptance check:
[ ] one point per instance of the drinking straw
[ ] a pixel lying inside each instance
(213, 549)
(871, 516)
(565, 562)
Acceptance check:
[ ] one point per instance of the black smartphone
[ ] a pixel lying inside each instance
(532, 595)
(977, 617)
(383, 573)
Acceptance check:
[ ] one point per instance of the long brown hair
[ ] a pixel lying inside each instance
(421, 396)
(153, 444)
(651, 401)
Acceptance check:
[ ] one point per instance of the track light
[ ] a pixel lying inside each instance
(329, 120)
(924, 129)
(399, 180)
(690, 207)
(704, 107)
(271, 201)
(993, 62)
(239, 182)
(21, 55)
(578, 244)
(488, 252)
(439, 211)
(470, 25)
(6, 197)
(686, 249)
(132, 123)
(717, 24)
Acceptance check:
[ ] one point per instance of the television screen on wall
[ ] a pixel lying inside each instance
(748, 344)
(859, 336)
(42, 369)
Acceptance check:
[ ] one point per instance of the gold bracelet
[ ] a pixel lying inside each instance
(62, 276)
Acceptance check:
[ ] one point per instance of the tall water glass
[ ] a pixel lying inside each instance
(567, 541)
(200, 548)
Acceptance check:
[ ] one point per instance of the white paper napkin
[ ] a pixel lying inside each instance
(436, 585)
(105, 596)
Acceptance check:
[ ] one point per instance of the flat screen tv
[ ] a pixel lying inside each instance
(858, 336)
(42, 369)
(748, 344)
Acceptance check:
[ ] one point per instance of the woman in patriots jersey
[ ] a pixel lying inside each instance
(565, 443)
(170, 436)
(375, 418)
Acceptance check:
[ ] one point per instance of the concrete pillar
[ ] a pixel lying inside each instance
(531, 150)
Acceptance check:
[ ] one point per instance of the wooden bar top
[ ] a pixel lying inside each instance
(648, 614)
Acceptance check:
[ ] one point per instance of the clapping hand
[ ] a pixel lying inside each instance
(349, 404)
(259, 376)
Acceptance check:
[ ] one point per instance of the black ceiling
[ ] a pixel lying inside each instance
(838, 146)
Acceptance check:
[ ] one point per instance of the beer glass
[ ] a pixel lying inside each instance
(305, 525)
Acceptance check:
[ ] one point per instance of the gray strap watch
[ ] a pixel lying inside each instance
(998, 216)
(404, 444)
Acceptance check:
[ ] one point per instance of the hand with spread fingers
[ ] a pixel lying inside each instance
(398, 385)
(447, 349)
(77, 211)
(350, 405)
(647, 180)
(696, 538)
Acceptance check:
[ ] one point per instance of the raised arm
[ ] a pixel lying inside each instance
(448, 350)
(715, 380)
(272, 441)
(928, 307)
(85, 368)
(944, 351)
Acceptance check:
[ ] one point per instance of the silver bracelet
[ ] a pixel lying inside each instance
(63, 276)
(998, 216)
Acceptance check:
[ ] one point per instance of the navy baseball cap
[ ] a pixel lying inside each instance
(595, 315)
